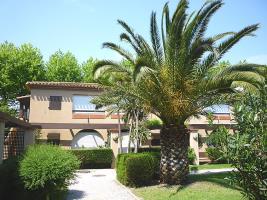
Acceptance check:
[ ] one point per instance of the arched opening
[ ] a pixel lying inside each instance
(87, 139)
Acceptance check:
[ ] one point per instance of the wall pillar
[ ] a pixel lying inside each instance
(114, 146)
(2, 137)
(194, 145)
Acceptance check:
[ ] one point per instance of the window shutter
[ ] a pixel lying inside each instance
(55, 102)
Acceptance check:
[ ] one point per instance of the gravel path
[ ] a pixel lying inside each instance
(98, 184)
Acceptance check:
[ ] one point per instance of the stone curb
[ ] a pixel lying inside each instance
(128, 190)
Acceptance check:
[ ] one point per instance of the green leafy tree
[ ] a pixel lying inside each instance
(87, 70)
(63, 67)
(173, 78)
(17, 66)
(247, 148)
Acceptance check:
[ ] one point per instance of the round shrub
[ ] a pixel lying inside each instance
(47, 168)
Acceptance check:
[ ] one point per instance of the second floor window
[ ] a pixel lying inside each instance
(83, 104)
(55, 102)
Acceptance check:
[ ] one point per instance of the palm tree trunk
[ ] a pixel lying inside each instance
(174, 165)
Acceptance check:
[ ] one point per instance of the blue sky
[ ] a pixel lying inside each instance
(81, 26)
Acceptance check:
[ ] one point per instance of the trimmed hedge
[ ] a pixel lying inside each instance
(94, 158)
(149, 149)
(191, 153)
(137, 169)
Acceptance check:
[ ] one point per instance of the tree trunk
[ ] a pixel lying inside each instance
(174, 165)
(136, 132)
(119, 132)
(130, 136)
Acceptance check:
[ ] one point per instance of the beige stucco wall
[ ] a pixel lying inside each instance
(40, 113)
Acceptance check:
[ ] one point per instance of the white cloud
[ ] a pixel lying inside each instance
(258, 59)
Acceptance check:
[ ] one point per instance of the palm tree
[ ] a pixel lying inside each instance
(173, 75)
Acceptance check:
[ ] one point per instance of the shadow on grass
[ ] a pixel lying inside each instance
(216, 178)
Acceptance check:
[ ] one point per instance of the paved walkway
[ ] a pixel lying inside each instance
(212, 171)
(98, 184)
(101, 184)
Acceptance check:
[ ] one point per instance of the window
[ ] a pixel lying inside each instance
(55, 102)
(83, 104)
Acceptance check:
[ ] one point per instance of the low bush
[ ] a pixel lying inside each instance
(191, 156)
(217, 145)
(247, 148)
(137, 169)
(47, 169)
(11, 187)
(94, 158)
(215, 155)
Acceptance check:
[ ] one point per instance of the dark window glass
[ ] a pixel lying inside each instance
(55, 102)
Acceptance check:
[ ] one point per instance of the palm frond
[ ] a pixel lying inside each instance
(229, 43)
(119, 50)
(105, 66)
(155, 38)
(166, 16)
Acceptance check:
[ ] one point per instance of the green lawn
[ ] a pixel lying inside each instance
(199, 187)
(209, 166)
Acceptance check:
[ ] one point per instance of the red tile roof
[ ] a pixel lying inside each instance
(62, 85)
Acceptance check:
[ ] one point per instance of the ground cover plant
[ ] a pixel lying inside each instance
(210, 166)
(198, 187)
(176, 75)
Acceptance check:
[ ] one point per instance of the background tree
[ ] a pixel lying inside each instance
(87, 70)
(63, 67)
(17, 66)
(173, 75)
(118, 97)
